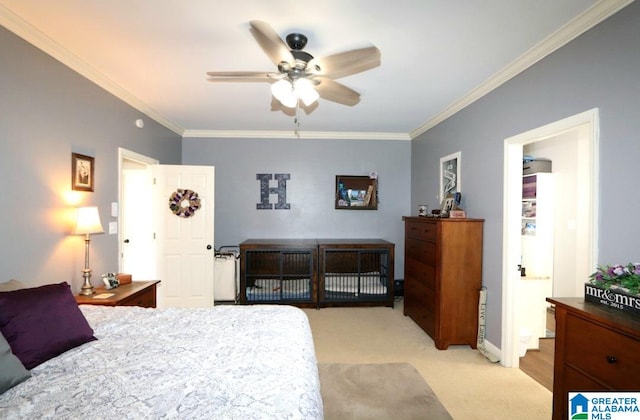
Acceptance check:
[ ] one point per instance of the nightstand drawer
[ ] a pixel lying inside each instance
(137, 293)
(145, 300)
(607, 356)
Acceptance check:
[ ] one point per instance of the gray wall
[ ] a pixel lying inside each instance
(47, 112)
(313, 165)
(599, 69)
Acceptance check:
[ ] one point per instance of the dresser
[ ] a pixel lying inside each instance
(137, 293)
(596, 349)
(443, 277)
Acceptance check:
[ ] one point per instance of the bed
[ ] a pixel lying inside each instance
(226, 362)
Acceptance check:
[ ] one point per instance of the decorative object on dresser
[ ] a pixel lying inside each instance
(87, 223)
(615, 286)
(137, 293)
(314, 273)
(596, 349)
(443, 277)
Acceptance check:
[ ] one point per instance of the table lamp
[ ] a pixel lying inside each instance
(87, 223)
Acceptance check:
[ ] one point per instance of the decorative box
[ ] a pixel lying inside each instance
(612, 298)
(123, 278)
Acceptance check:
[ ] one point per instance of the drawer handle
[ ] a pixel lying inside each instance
(612, 359)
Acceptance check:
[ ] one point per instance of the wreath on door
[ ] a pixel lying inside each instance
(184, 203)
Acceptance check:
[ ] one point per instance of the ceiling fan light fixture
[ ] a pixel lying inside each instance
(283, 91)
(305, 91)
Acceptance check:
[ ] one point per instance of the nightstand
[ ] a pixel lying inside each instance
(137, 293)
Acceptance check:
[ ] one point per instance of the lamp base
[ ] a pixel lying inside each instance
(87, 290)
(87, 287)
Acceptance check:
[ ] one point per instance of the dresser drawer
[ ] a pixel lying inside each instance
(422, 231)
(605, 355)
(422, 273)
(422, 251)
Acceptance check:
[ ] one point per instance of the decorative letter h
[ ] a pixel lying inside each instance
(265, 190)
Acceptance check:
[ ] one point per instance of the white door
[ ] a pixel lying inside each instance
(185, 251)
(138, 244)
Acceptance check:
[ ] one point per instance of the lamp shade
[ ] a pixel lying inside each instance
(283, 91)
(304, 90)
(88, 221)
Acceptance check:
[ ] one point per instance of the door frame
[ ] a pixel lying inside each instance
(512, 210)
(123, 156)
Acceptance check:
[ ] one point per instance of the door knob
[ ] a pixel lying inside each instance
(126, 241)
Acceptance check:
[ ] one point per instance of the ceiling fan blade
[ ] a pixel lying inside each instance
(345, 63)
(271, 42)
(243, 76)
(336, 92)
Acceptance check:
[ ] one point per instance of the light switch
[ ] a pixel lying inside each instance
(113, 228)
(114, 209)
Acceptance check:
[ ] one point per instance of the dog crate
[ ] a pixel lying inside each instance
(278, 271)
(356, 272)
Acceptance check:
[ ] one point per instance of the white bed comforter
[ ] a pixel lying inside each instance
(227, 362)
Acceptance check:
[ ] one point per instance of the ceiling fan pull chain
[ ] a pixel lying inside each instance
(296, 120)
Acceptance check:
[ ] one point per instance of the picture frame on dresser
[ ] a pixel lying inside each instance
(448, 204)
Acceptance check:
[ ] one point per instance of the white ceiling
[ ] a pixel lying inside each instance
(437, 55)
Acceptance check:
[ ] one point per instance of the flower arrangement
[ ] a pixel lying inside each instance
(626, 277)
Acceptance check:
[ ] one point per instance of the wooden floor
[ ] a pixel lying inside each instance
(539, 363)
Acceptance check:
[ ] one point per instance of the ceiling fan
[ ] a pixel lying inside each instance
(300, 76)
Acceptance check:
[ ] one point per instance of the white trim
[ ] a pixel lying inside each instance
(576, 27)
(294, 135)
(492, 349)
(511, 244)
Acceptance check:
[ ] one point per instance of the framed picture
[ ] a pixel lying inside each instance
(448, 204)
(450, 181)
(81, 172)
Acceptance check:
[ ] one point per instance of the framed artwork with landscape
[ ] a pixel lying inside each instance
(82, 170)
(450, 182)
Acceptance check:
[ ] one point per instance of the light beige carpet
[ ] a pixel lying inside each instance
(377, 391)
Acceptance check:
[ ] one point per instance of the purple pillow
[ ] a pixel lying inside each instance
(42, 322)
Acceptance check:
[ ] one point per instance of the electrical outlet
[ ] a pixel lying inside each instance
(113, 228)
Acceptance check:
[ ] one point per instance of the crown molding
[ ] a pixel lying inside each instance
(328, 135)
(576, 27)
(32, 35)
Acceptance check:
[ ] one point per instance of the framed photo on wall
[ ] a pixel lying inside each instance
(82, 170)
(450, 181)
